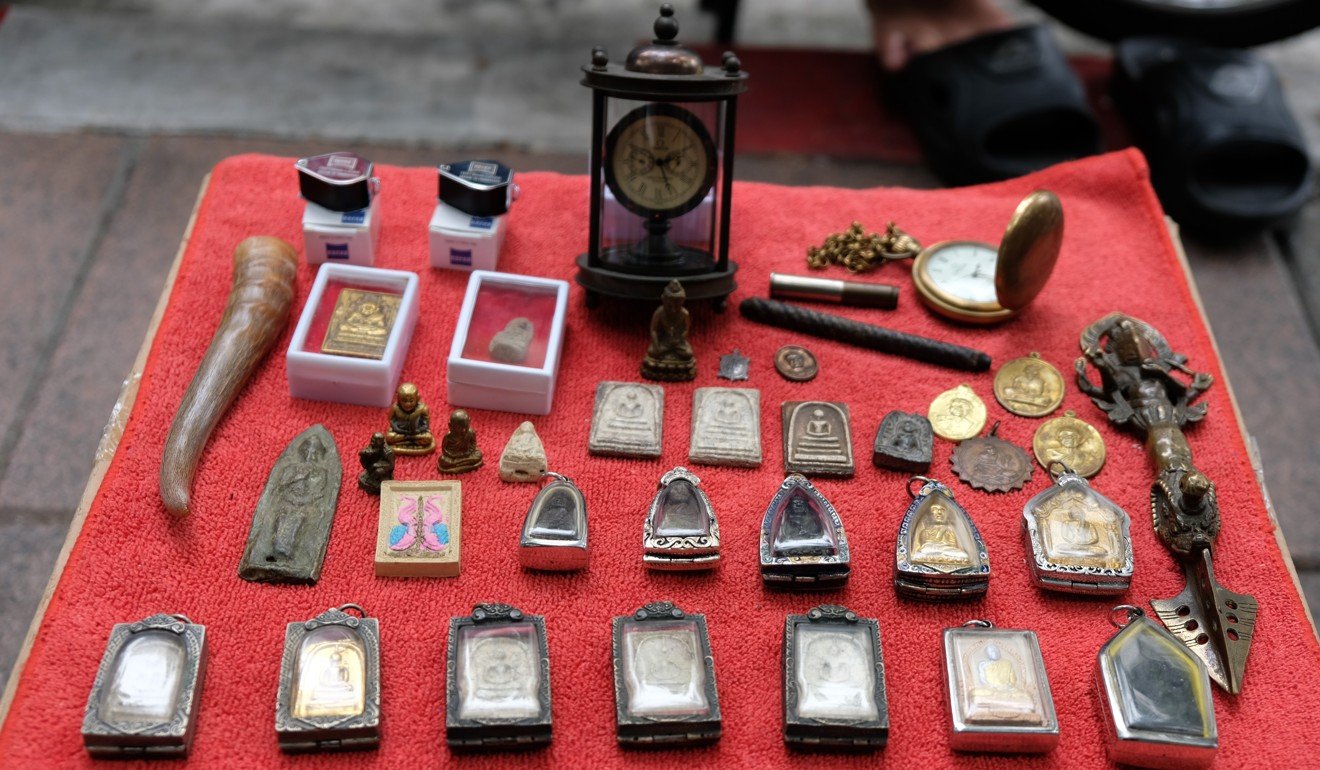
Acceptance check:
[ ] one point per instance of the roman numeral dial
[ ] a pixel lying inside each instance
(659, 160)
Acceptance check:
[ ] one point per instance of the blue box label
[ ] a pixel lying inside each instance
(460, 257)
(336, 251)
(354, 217)
(483, 223)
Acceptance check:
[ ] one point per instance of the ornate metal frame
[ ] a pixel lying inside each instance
(1072, 578)
(330, 733)
(999, 737)
(681, 553)
(816, 732)
(684, 729)
(807, 573)
(491, 732)
(921, 581)
(171, 738)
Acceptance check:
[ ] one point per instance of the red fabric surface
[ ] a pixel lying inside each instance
(133, 559)
(840, 105)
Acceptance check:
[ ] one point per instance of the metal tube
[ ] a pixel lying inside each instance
(854, 293)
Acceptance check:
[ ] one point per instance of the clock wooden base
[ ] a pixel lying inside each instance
(600, 282)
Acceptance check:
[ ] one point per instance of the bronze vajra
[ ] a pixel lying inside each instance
(1149, 389)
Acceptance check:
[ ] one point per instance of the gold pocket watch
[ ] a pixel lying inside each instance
(977, 283)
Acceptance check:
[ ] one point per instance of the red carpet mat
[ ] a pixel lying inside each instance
(133, 559)
(835, 103)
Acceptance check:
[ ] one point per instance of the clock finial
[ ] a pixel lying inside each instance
(666, 26)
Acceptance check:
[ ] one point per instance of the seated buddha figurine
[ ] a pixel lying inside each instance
(801, 532)
(669, 356)
(935, 542)
(410, 423)
(997, 696)
(458, 449)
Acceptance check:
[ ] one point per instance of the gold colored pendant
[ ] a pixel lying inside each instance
(144, 699)
(991, 463)
(1029, 386)
(1079, 539)
(957, 414)
(1071, 441)
(940, 555)
(999, 695)
(329, 694)
(360, 324)
(1157, 696)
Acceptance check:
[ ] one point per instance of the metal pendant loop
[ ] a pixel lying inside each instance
(978, 623)
(557, 477)
(344, 608)
(1129, 613)
(1067, 469)
(923, 479)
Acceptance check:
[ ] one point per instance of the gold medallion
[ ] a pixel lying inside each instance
(1071, 441)
(361, 323)
(1029, 386)
(957, 414)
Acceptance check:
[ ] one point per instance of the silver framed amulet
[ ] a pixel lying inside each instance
(999, 695)
(834, 681)
(940, 554)
(329, 696)
(554, 533)
(1079, 540)
(681, 532)
(1156, 696)
(497, 680)
(803, 545)
(664, 679)
(143, 701)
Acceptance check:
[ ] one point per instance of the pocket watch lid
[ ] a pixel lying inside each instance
(1029, 249)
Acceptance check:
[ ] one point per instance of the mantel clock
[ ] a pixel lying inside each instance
(662, 127)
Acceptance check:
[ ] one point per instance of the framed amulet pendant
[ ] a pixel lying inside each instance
(554, 534)
(999, 696)
(498, 679)
(803, 545)
(664, 678)
(144, 699)
(1078, 539)
(329, 696)
(940, 554)
(1156, 694)
(834, 681)
(680, 532)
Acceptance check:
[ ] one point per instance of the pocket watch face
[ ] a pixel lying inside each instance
(659, 160)
(965, 271)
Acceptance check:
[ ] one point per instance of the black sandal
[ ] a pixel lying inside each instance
(1225, 152)
(996, 106)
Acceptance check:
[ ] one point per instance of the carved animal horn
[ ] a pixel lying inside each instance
(258, 307)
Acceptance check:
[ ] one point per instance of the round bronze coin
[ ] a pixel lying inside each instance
(1029, 386)
(991, 463)
(957, 414)
(796, 363)
(1071, 441)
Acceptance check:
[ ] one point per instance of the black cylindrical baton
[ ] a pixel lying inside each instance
(833, 327)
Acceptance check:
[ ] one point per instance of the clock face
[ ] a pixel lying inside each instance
(659, 161)
(964, 271)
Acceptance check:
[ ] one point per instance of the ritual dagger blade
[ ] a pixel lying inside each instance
(1138, 391)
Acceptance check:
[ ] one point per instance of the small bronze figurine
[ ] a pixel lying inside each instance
(1138, 391)
(458, 449)
(410, 423)
(669, 357)
(377, 464)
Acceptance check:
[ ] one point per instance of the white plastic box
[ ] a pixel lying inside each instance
(461, 241)
(326, 377)
(478, 380)
(341, 237)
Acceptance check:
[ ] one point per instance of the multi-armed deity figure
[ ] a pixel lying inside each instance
(1149, 389)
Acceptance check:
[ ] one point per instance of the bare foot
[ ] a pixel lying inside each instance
(904, 28)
